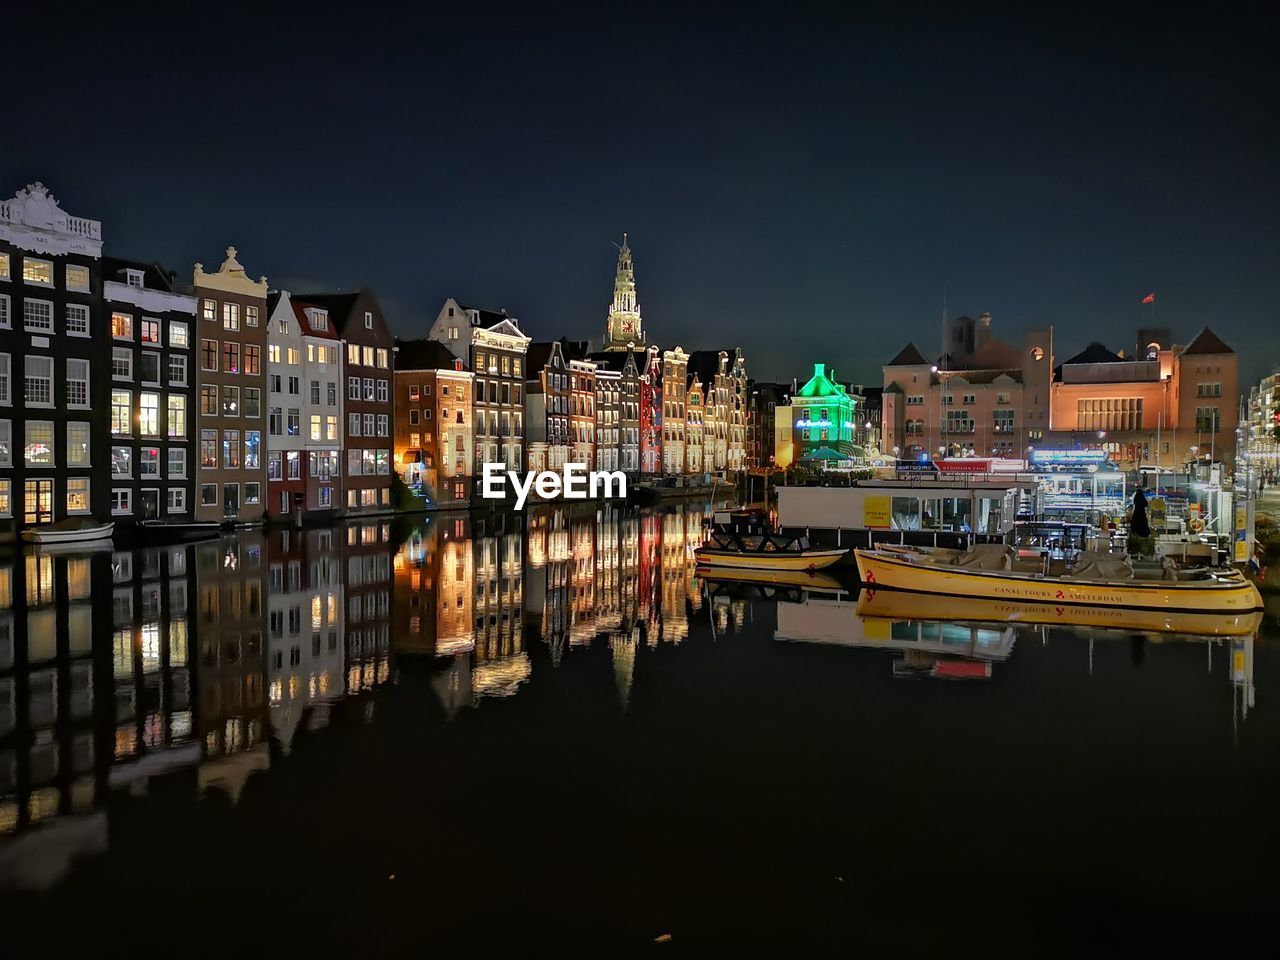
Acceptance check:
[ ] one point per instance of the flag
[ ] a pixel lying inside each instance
(1149, 298)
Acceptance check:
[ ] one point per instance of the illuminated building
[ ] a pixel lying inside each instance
(433, 438)
(231, 377)
(365, 553)
(493, 345)
(623, 365)
(546, 406)
(675, 367)
(762, 443)
(305, 394)
(651, 414)
(1264, 424)
(582, 410)
(825, 417)
(608, 418)
(624, 329)
(53, 353)
(694, 413)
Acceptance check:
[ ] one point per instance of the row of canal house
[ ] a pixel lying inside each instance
(127, 393)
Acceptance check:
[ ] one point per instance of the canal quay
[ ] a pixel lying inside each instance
(550, 729)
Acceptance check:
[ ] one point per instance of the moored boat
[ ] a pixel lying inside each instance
(994, 572)
(763, 551)
(177, 530)
(71, 530)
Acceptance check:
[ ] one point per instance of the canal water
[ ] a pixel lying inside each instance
(471, 730)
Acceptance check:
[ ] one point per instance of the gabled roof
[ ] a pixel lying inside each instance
(539, 355)
(612, 359)
(154, 277)
(486, 318)
(1095, 353)
(1207, 341)
(820, 385)
(704, 364)
(304, 322)
(423, 355)
(908, 356)
(339, 305)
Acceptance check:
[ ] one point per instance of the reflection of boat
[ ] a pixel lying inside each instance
(71, 530)
(990, 572)
(899, 605)
(764, 551)
(780, 578)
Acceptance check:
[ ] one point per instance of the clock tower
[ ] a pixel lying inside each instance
(624, 328)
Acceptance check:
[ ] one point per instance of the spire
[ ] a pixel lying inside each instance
(624, 324)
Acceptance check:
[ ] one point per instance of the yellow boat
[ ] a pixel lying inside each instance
(802, 579)
(763, 551)
(993, 572)
(898, 605)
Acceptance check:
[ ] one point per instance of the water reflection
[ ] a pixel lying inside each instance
(204, 664)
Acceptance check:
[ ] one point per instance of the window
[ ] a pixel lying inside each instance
(331, 394)
(122, 326)
(325, 496)
(77, 383)
(37, 272)
(77, 320)
(209, 400)
(368, 320)
(39, 372)
(178, 334)
(315, 426)
(209, 449)
(315, 393)
(1003, 421)
(37, 315)
(122, 413)
(382, 424)
(39, 449)
(177, 463)
(252, 360)
(969, 398)
(177, 420)
(293, 386)
(275, 421)
(6, 377)
(252, 401)
(331, 428)
(230, 357)
(311, 353)
(353, 388)
(1002, 398)
(121, 463)
(4, 266)
(6, 318)
(273, 465)
(149, 367)
(77, 495)
(295, 422)
(368, 424)
(250, 316)
(149, 414)
(177, 500)
(353, 464)
(149, 462)
(382, 391)
(368, 388)
(77, 443)
(231, 401)
(209, 309)
(121, 501)
(208, 494)
(231, 449)
(1207, 420)
(294, 464)
(367, 356)
(177, 370)
(383, 358)
(293, 356)
(413, 417)
(6, 443)
(273, 384)
(353, 424)
(150, 330)
(252, 492)
(231, 316)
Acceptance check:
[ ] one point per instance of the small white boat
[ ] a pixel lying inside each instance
(179, 529)
(71, 530)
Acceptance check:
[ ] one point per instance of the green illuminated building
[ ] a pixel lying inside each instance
(825, 419)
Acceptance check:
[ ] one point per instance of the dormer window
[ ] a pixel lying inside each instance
(319, 318)
(133, 278)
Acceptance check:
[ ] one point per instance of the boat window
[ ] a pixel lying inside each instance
(906, 513)
(752, 543)
(957, 514)
(931, 519)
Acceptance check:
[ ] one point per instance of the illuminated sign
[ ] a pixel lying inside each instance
(1069, 457)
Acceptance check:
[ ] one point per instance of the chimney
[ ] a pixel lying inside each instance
(819, 369)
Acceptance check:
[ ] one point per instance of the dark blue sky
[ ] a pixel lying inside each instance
(802, 186)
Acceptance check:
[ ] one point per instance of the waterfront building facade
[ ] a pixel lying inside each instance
(433, 434)
(366, 372)
(764, 400)
(1263, 434)
(493, 345)
(736, 387)
(547, 403)
(53, 364)
(582, 411)
(826, 418)
(152, 393)
(230, 377)
(675, 370)
(711, 368)
(695, 411)
(629, 388)
(608, 402)
(651, 414)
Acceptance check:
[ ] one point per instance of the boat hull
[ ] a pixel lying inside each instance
(750, 560)
(776, 578)
(1227, 595)
(898, 605)
(49, 536)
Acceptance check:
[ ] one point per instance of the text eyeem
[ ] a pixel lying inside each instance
(573, 483)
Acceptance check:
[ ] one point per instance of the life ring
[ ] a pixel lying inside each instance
(1197, 525)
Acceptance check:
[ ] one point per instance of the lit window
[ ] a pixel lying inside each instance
(122, 326)
(77, 495)
(231, 316)
(209, 400)
(149, 414)
(209, 310)
(177, 416)
(231, 401)
(368, 356)
(39, 449)
(4, 266)
(353, 353)
(230, 357)
(383, 360)
(6, 443)
(6, 498)
(122, 413)
(150, 330)
(38, 272)
(149, 462)
(209, 449)
(121, 463)
(251, 316)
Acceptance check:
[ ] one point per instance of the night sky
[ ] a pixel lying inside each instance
(803, 187)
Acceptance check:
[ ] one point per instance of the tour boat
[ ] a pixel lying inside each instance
(763, 551)
(897, 605)
(179, 529)
(802, 579)
(71, 530)
(994, 572)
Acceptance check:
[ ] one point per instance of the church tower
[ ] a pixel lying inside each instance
(624, 328)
